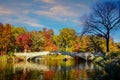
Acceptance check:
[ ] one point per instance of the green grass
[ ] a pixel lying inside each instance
(54, 57)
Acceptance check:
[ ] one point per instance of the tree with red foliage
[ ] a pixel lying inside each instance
(24, 42)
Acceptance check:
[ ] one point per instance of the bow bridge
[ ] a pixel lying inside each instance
(28, 55)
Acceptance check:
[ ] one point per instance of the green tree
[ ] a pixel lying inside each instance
(65, 39)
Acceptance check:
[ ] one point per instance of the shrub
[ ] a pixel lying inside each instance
(113, 54)
(113, 70)
(99, 59)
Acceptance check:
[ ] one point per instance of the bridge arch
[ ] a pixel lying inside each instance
(34, 54)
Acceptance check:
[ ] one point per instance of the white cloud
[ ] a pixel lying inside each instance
(23, 20)
(8, 11)
(46, 1)
(19, 16)
(36, 25)
(5, 11)
(58, 12)
(62, 11)
(19, 13)
(33, 22)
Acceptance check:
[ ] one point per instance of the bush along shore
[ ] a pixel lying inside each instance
(6, 58)
(111, 65)
(11, 58)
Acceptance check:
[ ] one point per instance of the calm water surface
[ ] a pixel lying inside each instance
(50, 70)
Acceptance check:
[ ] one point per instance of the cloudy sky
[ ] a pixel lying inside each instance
(37, 14)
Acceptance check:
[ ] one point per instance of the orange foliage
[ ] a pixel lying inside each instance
(77, 48)
(6, 38)
(49, 45)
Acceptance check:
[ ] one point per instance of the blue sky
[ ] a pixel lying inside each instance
(37, 14)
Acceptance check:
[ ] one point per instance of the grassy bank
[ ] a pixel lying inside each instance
(56, 57)
(8, 58)
(5, 58)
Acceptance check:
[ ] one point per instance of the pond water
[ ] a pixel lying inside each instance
(50, 70)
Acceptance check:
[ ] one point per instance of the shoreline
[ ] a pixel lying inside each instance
(7, 58)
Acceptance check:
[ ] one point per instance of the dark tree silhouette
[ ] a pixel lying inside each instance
(104, 18)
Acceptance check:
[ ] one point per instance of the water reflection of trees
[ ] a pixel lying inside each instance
(6, 71)
(59, 70)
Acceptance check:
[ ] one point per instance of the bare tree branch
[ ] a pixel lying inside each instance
(103, 20)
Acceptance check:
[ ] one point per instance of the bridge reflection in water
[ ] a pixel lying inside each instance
(30, 66)
(53, 70)
(44, 67)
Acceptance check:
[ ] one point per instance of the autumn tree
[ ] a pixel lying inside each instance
(84, 44)
(38, 40)
(17, 31)
(49, 44)
(95, 43)
(77, 44)
(113, 45)
(118, 45)
(6, 38)
(104, 19)
(24, 42)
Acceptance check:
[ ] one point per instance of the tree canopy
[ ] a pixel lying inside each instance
(17, 38)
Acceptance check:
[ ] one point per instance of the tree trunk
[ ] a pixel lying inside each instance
(107, 43)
